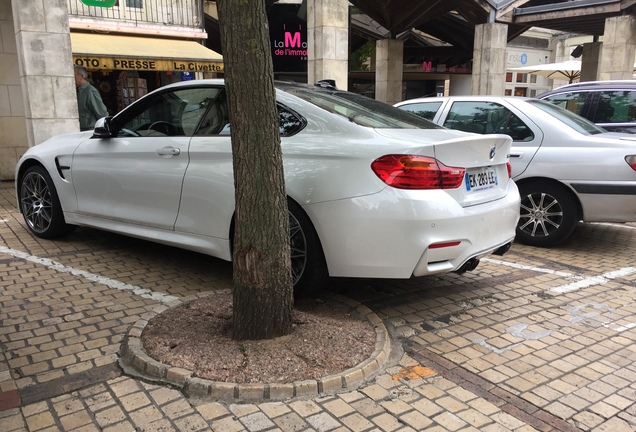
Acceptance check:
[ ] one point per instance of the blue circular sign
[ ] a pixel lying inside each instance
(524, 58)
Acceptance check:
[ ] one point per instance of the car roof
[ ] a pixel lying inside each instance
(324, 85)
(593, 85)
(467, 98)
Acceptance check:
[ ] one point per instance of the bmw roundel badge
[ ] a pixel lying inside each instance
(493, 150)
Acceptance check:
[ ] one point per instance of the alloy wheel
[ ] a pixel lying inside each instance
(541, 215)
(298, 244)
(36, 202)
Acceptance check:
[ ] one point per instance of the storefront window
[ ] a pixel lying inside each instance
(521, 91)
(133, 3)
(508, 76)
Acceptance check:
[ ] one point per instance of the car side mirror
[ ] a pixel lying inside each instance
(103, 128)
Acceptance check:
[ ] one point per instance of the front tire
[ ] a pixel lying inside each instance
(40, 205)
(548, 214)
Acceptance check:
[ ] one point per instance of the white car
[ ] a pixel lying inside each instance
(567, 169)
(373, 191)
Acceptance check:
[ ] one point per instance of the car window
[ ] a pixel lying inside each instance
(360, 109)
(566, 117)
(571, 101)
(614, 106)
(172, 113)
(487, 118)
(426, 110)
(217, 119)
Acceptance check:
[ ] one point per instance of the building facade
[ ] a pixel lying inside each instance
(129, 47)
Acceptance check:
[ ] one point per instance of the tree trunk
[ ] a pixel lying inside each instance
(263, 291)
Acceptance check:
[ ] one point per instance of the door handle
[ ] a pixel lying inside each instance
(517, 155)
(169, 151)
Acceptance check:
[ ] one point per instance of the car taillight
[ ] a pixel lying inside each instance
(509, 167)
(631, 161)
(416, 172)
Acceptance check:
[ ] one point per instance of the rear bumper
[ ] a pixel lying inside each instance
(389, 234)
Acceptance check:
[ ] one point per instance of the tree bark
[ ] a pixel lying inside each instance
(263, 291)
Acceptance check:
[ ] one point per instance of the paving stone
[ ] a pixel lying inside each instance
(40, 421)
(257, 421)
(212, 410)
(227, 424)
(290, 421)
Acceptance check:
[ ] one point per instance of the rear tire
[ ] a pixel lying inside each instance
(309, 268)
(548, 214)
(40, 205)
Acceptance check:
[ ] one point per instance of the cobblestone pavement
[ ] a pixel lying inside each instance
(535, 340)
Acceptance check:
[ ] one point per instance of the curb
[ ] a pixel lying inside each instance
(135, 361)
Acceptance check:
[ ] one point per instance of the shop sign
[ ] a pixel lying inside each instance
(99, 3)
(140, 64)
(288, 36)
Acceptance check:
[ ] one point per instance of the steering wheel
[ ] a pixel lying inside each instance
(128, 132)
(163, 126)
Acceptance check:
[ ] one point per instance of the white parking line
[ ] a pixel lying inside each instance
(620, 328)
(581, 282)
(537, 269)
(111, 283)
(596, 280)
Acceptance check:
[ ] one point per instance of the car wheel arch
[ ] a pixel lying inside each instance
(529, 180)
(312, 283)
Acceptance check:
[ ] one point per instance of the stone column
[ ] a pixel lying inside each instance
(13, 139)
(489, 59)
(590, 61)
(389, 63)
(619, 48)
(46, 68)
(328, 41)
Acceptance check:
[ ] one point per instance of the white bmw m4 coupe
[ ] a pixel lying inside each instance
(373, 191)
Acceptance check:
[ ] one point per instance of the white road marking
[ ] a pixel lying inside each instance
(577, 316)
(581, 282)
(494, 349)
(619, 328)
(111, 283)
(536, 269)
(596, 280)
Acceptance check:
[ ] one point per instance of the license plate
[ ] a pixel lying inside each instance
(480, 179)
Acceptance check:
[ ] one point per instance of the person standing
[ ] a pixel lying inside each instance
(89, 102)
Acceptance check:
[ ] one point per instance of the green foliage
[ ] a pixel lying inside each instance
(359, 59)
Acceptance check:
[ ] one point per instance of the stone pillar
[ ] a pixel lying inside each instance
(389, 62)
(489, 59)
(328, 41)
(13, 138)
(46, 68)
(619, 48)
(590, 61)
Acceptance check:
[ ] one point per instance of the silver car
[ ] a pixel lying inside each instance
(567, 168)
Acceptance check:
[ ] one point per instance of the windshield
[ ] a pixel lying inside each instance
(360, 109)
(575, 121)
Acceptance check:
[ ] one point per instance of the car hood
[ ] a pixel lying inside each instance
(456, 148)
(58, 148)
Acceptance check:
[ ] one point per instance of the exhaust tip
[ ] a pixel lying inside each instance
(469, 265)
(503, 249)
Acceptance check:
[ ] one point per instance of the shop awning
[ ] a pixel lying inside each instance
(114, 52)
